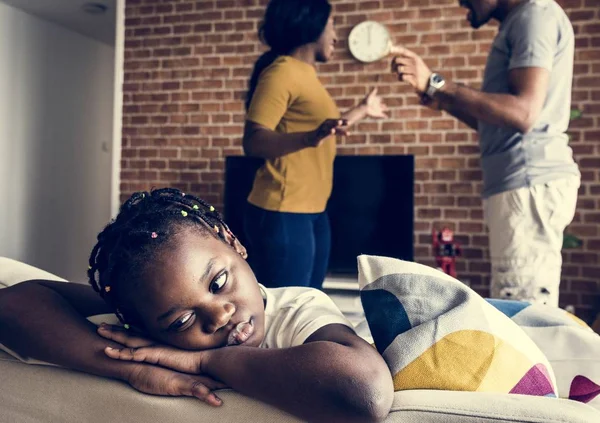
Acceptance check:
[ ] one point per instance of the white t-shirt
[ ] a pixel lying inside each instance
(294, 313)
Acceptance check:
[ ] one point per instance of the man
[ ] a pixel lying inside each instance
(521, 115)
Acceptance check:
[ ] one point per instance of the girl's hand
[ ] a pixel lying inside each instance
(152, 379)
(127, 337)
(145, 350)
(158, 381)
(328, 128)
(375, 107)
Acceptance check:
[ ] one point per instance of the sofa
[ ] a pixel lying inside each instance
(41, 393)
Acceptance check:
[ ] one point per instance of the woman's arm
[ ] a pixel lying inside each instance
(333, 377)
(371, 106)
(260, 141)
(45, 320)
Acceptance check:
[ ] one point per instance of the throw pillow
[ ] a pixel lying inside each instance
(434, 332)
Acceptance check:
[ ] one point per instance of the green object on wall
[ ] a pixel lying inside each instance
(571, 241)
(575, 114)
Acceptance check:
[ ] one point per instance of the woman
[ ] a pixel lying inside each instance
(291, 123)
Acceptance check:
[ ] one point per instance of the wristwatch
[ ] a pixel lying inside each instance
(436, 82)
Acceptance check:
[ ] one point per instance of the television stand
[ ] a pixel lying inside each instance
(341, 282)
(344, 291)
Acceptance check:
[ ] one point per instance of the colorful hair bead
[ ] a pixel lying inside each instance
(184, 213)
(125, 325)
(107, 288)
(154, 235)
(89, 267)
(195, 207)
(216, 228)
(212, 209)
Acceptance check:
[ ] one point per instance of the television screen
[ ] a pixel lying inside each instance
(371, 208)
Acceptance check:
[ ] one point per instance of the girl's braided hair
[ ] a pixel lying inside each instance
(146, 223)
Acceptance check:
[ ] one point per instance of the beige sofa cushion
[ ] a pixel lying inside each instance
(36, 394)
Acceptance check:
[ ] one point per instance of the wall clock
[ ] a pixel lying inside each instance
(369, 41)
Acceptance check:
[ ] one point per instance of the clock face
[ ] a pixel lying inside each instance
(369, 41)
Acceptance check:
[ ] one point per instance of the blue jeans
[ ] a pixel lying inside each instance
(287, 249)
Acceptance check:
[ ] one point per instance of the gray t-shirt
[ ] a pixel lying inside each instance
(535, 34)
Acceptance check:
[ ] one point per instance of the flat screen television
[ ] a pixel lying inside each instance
(371, 208)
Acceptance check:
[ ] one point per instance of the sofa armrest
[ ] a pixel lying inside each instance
(36, 394)
(13, 272)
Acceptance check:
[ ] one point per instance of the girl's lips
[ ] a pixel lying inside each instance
(240, 333)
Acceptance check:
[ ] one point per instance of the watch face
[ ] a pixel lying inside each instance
(437, 78)
(369, 41)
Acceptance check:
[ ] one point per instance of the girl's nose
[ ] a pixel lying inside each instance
(217, 315)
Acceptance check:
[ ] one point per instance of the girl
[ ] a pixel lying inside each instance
(196, 320)
(290, 122)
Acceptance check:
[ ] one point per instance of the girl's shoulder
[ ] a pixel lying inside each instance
(292, 314)
(278, 299)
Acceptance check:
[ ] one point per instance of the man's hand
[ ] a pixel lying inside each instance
(411, 68)
(141, 349)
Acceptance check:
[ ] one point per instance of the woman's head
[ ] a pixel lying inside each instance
(292, 24)
(169, 265)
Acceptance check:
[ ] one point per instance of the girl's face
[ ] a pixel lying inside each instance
(201, 294)
(326, 42)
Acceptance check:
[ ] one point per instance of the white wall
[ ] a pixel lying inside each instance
(56, 129)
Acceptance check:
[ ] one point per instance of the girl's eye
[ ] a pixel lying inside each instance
(218, 283)
(182, 324)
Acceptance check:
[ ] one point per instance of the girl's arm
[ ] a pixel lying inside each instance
(333, 377)
(45, 320)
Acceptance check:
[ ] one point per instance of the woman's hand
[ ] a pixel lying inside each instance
(374, 105)
(371, 106)
(328, 128)
(153, 377)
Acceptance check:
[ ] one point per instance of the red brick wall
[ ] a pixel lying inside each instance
(186, 69)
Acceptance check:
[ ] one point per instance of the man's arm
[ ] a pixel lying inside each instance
(459, 114)
(519, 109)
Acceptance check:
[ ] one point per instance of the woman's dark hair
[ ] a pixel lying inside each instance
(287, 25)
(146, 224)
